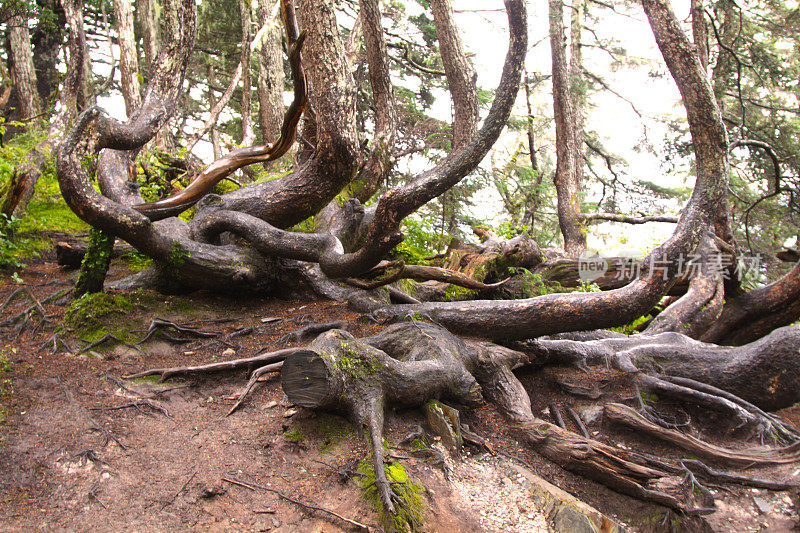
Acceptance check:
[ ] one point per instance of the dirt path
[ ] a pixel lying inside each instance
(73, 457)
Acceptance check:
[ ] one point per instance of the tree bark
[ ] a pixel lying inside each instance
(247, 120)
(128, 61)
(566, 177)
(270, 74)
(461, 77)
(23, 70)
(378, 162)
(47, 39)
(148, 22)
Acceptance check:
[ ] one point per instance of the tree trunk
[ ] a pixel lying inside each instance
(47, 40)
(568, 158)
(23, 70)
(128, 62)
(577, 85)
(247, 120)
(378, 162)
(270, 75)
(148, 22)
(461, 77)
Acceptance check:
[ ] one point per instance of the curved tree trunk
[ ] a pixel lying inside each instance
(555, 313)
(756, 313)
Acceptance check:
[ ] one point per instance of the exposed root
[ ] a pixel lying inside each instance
(54, 342)
(622, 414)
(273, 367)
(249, 362)
(306, 333)
(253, 486)
(705, 472)
(158, 325)
(408, 364)
(137, 404)
(108, 337)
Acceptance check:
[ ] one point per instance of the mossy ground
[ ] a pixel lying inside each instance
(409, 514)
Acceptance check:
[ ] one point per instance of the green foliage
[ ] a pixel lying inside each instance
(95, 263)
(420, 241)
(534, 285)
(632, 327)
(409, 514)
(8, 248)
(177, 257)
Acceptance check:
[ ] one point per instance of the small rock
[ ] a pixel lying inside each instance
(289, 413)
(763, 505)
(211, 492)
(270, 319)
(229, 351)
(591, 414)
(270, 404)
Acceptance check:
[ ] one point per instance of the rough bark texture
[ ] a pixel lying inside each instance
(23, 71)
(148, 22)
(247, 84)
(568, 160)
(764, 372)
(47, 39)
(378, 162)
(270, 74)
(757, 312)
(128, 61)
(461, 77)
(700, 31)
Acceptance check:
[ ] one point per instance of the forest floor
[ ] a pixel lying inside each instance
(80, 451)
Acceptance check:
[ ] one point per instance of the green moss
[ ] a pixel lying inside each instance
(409, 515)
(295, 435)
(136, 261)
(454, 293)
(355, 363)
(91, 315)
(330, 429)
(148, 379)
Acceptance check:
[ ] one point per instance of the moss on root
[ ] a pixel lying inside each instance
(95, 263)
(409, 514)
(91, 315)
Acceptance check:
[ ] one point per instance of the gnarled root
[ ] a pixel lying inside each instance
(408, 364)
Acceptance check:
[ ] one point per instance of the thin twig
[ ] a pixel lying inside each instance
(254, 486)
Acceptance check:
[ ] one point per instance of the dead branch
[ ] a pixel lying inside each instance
(253, 486)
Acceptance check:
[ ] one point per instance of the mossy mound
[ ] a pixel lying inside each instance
(409, 514)
(93, 315)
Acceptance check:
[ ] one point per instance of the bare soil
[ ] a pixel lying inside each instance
(77, 454)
